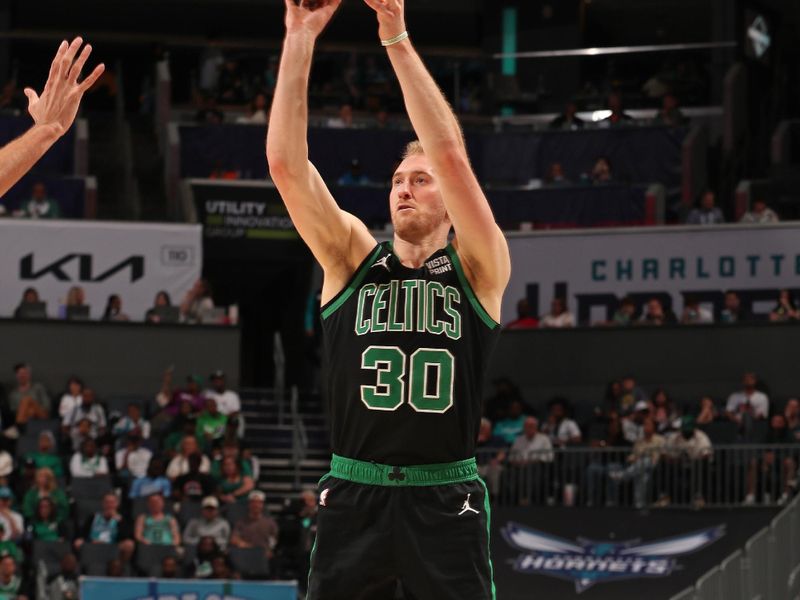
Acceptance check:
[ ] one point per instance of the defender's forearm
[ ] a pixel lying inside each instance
(17, 157)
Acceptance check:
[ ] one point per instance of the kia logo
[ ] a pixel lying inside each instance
(86, 269)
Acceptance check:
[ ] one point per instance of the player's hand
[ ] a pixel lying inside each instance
(58, 104)
(309, 16)
(391, 17)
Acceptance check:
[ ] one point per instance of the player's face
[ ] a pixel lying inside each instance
(415, 202)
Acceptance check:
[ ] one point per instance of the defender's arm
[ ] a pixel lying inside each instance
(53, 112)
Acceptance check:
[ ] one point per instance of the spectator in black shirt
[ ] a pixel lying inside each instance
(169, 567)
(618, 115)
(231, 84)
(602, 172)
(669, 114)
(207, 551)
(657, 315)
(555, 176)
(786, 309)
(162, 299)
(29, 297)
(194, 485)
(208, 113)
(778, 467)
(568, 119)
(107, 526)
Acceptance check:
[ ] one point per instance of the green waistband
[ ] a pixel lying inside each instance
(370, 473)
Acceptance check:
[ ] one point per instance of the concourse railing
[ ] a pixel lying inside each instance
(675, 476)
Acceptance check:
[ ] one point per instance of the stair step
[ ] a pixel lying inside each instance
(267, 463)
(272, 486)
(283, 428)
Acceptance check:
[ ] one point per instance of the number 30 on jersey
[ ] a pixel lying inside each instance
(429, 384)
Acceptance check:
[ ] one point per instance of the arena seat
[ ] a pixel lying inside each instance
(149, 558)
(251, 563)
(85, 508)
(119, 404)
(138, 507)
(50, 553)
(189, 510)
(94, 558)
(91, 487)
(36, 426)
(27, 443)
(235, 511)
(187, 560)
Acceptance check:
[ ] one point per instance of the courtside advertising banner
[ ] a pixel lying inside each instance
(612, 553)
(135, 261)
(101, 588)
(595, 269)
(244, 219)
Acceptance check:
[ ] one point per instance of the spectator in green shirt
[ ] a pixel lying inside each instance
(45, 525)
(9, 547)
(230, 449)
(44, 457)
(233, 485)
(40, 206)
(172, 443)
(45, 486)
(210, 425)
(10, 581)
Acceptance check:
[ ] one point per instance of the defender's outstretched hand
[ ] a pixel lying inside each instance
(53, 112)
(391, 17)
(309, 16)
(61, 97)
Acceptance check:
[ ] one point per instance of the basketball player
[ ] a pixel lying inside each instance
(53, 112)
(408, 326)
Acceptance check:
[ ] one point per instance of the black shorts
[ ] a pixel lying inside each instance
(425, 529)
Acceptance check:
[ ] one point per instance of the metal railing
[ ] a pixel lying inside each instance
(768, 568)
(299, 436)
(731, 475)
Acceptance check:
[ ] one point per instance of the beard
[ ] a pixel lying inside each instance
(417, 225)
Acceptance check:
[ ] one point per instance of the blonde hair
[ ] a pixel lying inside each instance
(412, 149)
(75, 296)
(51, 478)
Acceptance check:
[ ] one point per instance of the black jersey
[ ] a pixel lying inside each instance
(405, 354)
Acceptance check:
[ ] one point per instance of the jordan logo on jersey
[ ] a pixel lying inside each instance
(467, 508)
(383, 262)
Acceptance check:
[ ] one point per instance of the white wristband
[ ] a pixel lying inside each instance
(396, 39)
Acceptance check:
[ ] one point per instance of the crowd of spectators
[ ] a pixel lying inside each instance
(635, 312)
(154, 487)
(196, 307)
(662, 449)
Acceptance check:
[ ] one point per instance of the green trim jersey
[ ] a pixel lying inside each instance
(405, 353)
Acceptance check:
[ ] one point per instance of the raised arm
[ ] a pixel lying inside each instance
(53, 112)
(480, 243)
(338, 240)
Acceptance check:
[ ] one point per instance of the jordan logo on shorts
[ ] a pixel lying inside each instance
(467, 508)
(323, 497)
(384, 262)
